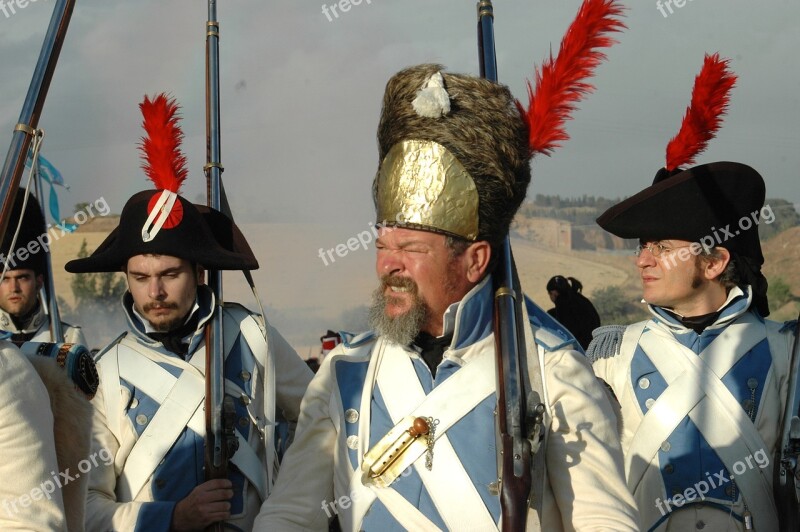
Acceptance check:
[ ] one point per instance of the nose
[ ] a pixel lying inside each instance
(389, 262)
(155, 288)
(645, 259)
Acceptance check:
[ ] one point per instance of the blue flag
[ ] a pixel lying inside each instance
(53, 177)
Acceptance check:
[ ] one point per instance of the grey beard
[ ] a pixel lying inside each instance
(401, 329)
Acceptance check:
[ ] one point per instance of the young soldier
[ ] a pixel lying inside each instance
(701, 385)
(149, 409)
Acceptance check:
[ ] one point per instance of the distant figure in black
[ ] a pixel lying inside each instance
(573, 309)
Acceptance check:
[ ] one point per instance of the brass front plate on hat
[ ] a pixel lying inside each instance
(422, 185)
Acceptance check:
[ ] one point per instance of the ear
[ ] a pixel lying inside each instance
(201, 275)
(39, 281)
(714, 265)
(477, 255)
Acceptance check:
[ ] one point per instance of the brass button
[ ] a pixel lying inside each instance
(351, 415)
(644, 383)
(160, 483)
(666, 446)
(141, 419)
(244, 399)
(649, 403)
(352, 442)
(134, 402)
(245, 375)
(243, 421)
(729, 490)
(700, 525)
(752, 383)
(669, 468)
(748, 404)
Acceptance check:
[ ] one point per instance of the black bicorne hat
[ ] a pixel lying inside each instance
(202, 235)
(28, 252)
(715, 204)
(161, 222)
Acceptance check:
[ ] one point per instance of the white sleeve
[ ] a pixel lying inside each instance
(29, 494)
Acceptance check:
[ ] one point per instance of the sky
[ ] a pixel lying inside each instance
(301, 93)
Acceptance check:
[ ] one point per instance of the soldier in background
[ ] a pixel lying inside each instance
(22, 312)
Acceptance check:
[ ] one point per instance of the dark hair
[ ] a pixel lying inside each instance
(560, 284)
(730, 276)
(575, 284)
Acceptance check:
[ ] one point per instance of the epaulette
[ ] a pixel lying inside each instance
(606, 342)
(351, 340)
(788, 326)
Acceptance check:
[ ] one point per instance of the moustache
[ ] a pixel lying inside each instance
(398, 282)
(162, 305)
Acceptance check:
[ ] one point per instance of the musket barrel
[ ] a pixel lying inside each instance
(32, 108)
(486, 55)
(218, 446)
(516, 481)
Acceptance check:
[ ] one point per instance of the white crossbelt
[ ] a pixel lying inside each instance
(181, 403)
(448, 402)
(696, 390)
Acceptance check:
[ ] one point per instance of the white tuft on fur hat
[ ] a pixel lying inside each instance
(432, 101)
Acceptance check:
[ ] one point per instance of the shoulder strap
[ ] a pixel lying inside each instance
(257, 339)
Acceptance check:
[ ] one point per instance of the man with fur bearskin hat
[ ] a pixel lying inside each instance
(702, 384)
(21, 311)
(149, 409)
(397, 430)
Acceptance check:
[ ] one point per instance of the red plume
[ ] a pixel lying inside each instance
(163, 161)
(703, 118)
(562, 83)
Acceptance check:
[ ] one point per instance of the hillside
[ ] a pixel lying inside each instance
(304, 296)
(781, 260)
